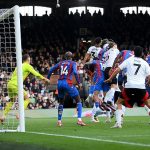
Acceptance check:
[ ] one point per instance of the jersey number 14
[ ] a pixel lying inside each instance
(64, 70)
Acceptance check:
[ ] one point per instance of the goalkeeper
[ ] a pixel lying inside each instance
(12, 85)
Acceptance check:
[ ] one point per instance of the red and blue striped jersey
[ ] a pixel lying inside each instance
(67, 69)
(98, 69)
(125, 54)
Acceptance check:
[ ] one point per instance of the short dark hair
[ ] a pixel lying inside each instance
(98, 40)
(111, 44)
(68, 55)
(104, 41)
(138, 51)
(25, 57)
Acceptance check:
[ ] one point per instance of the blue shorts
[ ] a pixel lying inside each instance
(106, 87)
(65, 87)
(122, 79)
(91, 90)
(99, 85)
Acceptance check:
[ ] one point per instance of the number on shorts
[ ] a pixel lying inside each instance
(64, 70)
(138, 67)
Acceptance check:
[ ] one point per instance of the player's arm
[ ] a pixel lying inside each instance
(35, 73)
(86, 58)
(118, 70)
(75, 72)
(117, 60)
(52, 70)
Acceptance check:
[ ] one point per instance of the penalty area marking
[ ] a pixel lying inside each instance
(92, 139)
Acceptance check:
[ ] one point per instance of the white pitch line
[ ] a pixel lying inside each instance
(92, 139)
(120, 136)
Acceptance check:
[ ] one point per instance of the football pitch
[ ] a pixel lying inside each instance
(43, 134)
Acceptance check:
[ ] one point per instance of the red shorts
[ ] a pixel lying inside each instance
(132, 96)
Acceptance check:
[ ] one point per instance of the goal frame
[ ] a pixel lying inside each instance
(15, 11)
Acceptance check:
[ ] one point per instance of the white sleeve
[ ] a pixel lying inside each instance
(123, 65)
(147, 69)
(117, 52)
(89, 50)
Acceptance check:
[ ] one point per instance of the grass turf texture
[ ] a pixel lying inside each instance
(135, 130)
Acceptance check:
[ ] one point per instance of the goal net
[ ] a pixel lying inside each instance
(10, 58)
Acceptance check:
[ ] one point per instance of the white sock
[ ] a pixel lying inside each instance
(109, 95)
(147, 109)
(123, 109)
(79, 119)
(118, 116)
(115, 105)
(108, 114)
(93, 110)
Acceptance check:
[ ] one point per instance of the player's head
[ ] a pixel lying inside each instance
(97, 41)
(112, 45)
(68, 55)
(104, 41)
(26, 58)
(138, 51)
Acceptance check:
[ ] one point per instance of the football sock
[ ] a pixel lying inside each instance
(108, 114)
(26, 102)
(123, 109)
(7, 108)
(118, 116)
(60, 111)
(95, 109)
(79, 109)
(98, 112)
(109, 95)
(147, 109)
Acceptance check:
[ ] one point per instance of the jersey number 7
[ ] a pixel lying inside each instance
(138, 67)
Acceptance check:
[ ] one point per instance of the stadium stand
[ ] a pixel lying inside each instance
(46, 39)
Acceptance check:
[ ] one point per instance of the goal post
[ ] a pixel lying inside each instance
(19, 68)
(11, 50)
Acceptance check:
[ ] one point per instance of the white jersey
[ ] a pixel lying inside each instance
(137, 71)
(94, 51)
(110, 56)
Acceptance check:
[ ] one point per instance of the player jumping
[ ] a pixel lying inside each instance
(135, 91)
(92, 54)
(98, 80)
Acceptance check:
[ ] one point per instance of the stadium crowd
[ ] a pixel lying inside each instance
(47, 38)
(59, 32)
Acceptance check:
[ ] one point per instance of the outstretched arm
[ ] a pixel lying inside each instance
(116, 60)
(113, 75)
(34, 72)
(52, 70)
(86, 58)
(121, 67)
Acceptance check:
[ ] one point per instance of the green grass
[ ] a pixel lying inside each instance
(135, 130)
